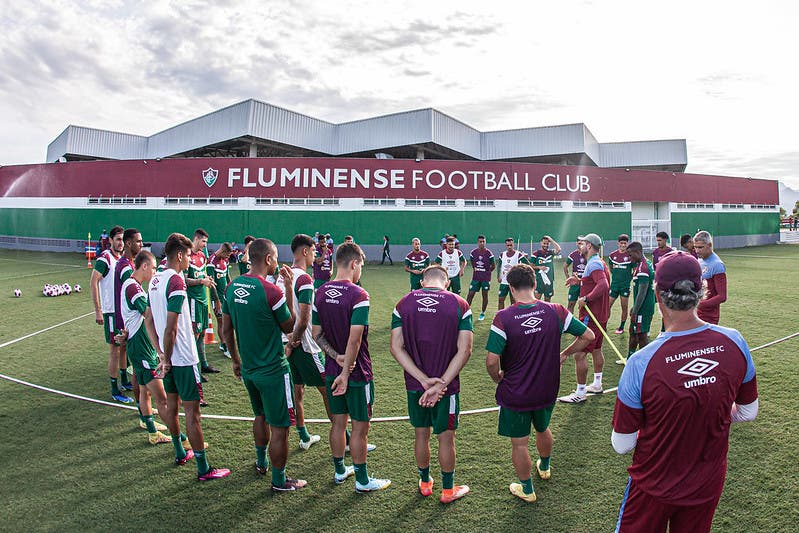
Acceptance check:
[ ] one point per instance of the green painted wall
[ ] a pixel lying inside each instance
(743, 223)
(367, 226)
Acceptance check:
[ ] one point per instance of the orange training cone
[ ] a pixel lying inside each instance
(209, 335)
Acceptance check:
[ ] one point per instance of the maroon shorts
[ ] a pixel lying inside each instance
(642, 513)
(596, 344)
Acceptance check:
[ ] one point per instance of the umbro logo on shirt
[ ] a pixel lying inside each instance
(332, 293)
(241, 295)
(531, 322)
(428, 303)
(698, 368)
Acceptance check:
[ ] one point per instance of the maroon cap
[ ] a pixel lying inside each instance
(677, 266)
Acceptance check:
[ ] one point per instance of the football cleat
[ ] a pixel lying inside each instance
(543, 474)
(369, 448)
(306, 445)
(121, 398)
(426, 487)
(158, 426)
(260, 470)
(373, 485)
(594, 389)
(210, 370)
(481, 317)
(213, 473)
(619, 331)
(517, 490)
(187, 458)
(126, 386)
(290, 485)
(349, 471)
(455, 493)
(158, 438)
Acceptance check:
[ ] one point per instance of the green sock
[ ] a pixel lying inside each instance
(138, 408)
(623, 322)
(424, 474)
(527, 485)
(544, 463)
(361, 474)
(260, 456)
(304, 435)
(201, 351)
(123, 376)
(338, 462)
(115, 388)
(348, 437)
(180, 453)
(278, 476)
(447, 480)
(150, 422)
(223, 347)
(202, 462)
(183, 437)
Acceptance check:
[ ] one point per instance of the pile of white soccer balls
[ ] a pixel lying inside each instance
(56, 290)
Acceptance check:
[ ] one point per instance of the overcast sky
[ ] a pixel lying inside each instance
(722, 75)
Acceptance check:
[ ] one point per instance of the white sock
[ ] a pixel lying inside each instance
(598, 379)
(581, 389)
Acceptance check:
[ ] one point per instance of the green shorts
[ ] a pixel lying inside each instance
(185, 382)
(319, 282)
(641, 323)
(543, 288)
(443, 416)
(455, 284)
(516, 424)
(617, 291)
(356, 402)
(199, 315)
(307, 369)
(476, 286)
(574, 293)
(272, 396)
(504, 289)
(144, 367)
(108, 328)
(416, 282)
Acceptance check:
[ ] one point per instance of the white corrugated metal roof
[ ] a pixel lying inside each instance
(261, 120)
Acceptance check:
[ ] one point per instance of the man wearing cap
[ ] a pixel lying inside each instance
(594, 295)
(714, 278)
(676, 400)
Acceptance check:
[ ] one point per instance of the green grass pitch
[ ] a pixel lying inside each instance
(71, 465)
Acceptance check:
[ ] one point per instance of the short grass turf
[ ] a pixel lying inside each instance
(69, 465)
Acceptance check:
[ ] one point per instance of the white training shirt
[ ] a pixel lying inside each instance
(451, 262)
(163, 286)
(107, 281)
(509, 262)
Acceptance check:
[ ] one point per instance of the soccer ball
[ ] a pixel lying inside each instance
(77, 288)
(17, 293)
(67, 288)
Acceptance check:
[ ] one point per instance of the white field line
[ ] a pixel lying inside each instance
(249, 418)
(47, 264)
(35, 274)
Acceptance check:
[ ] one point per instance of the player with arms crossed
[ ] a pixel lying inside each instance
(102, 287)
(620, 277)
(415, 262)
(594, 293)
(543, 262)
(507, 260)
(255, 312)
(677, 398)
(483, 264)
(454, 263)
(139, 337)
(643, 298)
(714, 278)
(432, 348)
(340, 327)
(524, 360)
(173, 325)
(577, 262)
(662, 249)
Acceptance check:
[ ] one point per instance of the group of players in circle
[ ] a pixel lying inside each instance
(284, 330)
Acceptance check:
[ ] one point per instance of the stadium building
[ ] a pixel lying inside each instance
(254, 168)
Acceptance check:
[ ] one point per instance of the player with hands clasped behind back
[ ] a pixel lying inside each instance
(431, 338)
